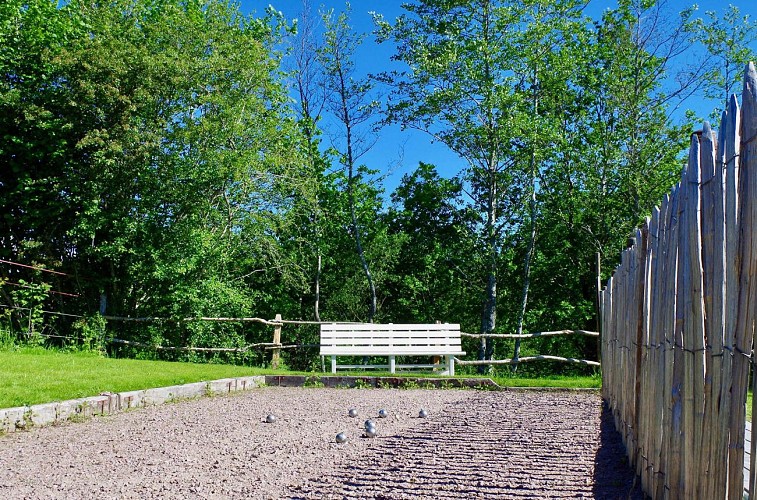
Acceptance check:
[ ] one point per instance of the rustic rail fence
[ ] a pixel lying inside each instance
(678, 317)
(526, 359)
(276, 345)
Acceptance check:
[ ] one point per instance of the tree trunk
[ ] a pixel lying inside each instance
(361, 253)
(489, 315)
(526, 284)
(532, 236)
(317, 299)
(488, 321)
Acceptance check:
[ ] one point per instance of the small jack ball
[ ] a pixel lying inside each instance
(370, 432)
(383, 414)
(352, 413)
(369, 423)
(341, 438)
(423, 414)
(270, 418)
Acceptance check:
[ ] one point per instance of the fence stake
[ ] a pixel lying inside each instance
(276, 357)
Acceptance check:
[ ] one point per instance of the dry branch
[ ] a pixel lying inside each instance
(529, 335)
(525, 359)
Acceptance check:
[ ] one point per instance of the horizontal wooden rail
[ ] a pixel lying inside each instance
(544, 357)
(201, 349)
(186, 320)
(529, 335)
(269, 322)
(41, 311)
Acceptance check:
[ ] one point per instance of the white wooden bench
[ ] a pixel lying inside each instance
(391, 340)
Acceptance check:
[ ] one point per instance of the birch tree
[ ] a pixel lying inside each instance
(485, 78)
(350, 100)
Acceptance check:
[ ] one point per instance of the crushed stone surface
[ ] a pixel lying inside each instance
(473, 444)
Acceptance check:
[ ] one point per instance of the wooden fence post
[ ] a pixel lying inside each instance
(436, 359)
(276, 357)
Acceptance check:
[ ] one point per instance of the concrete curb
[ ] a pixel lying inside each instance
(406, 382)
(368, 381)
(25, 417)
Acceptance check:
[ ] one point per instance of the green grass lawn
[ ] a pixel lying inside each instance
(31, 376)
(749, 398)
(574, 382)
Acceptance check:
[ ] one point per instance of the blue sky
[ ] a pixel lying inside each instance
(397, 152)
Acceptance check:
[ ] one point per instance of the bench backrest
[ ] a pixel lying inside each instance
(371, 339)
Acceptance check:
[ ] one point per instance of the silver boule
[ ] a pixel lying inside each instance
(369, 423)
(422, 414)
(270, 418)
(370, 432)
(341, 437)
(383, 413)
(352, 413)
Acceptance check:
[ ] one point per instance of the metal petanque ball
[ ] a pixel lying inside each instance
(352, 413)
(369, 423)
(422, 414)
(270, 418)
(341, 438)
(370, 432)
(382, 414)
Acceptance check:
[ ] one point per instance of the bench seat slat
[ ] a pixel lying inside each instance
(373, 351)
(393, 342)
(389, 327)
(400, 337)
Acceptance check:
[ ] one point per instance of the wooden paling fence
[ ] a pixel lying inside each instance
(678, 319)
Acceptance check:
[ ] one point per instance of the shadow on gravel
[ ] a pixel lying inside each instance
(613, 476)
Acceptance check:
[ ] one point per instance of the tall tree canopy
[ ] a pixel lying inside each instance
(148, 148)
(491, 80)
(153, 152)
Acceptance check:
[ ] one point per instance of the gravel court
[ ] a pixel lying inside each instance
(473, 444)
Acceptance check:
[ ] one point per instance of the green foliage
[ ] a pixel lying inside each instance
(436, 278)
(90, 333)
(727, 39)
(29, 299)
(572, 382)
(313, 382)
(150, 153)
(362, 384)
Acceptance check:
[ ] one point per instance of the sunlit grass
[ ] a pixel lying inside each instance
(33, 376)
(749, 406)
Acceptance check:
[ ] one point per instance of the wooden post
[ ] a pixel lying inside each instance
(276, 356)
(436, 359)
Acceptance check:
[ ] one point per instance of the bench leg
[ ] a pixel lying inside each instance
(450, 366)
(391, 364)
(333, 364)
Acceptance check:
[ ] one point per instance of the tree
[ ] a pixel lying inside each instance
(435, 278)
(176, 161)
(727, 42)
(350, 101)
(619, 157)
(310, 83)
(477, 83)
